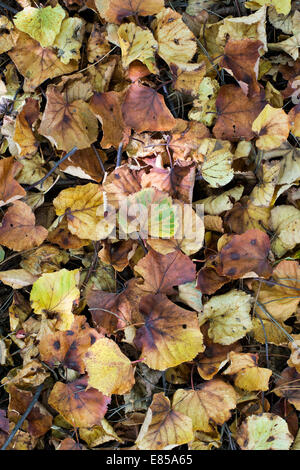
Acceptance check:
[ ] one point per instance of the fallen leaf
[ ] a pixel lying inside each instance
(210, 403)
(53, 295)
(163, 427)
(264, 432)
(109, 370)
(18, 230)
(80, 406)
(67, 125)
(171, 335)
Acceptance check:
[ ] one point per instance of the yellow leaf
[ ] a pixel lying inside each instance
(53, 295)
(264, 432)
(285, 222)
(229, 317)
(69, 40)
(252, 27)
(210, 403)
(215, 205)
(247, 375)
(272, 126)
(137, 43)
(216, 168)
(171, 334)
(109, 370)
(98, 435)
(204, 109)
(42, 24)
(83, 207)
(176, 43)
(163, 427)
(282, 6)
(281, 297)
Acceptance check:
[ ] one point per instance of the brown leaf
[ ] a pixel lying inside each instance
(18, 231)
(245, 253)
(162, 272)
(81, 407)
(68, 347)
(171, 334)
(10, 189)
(241, 59)
(114, 12)
(236, 114)
(108, 109)
(37, 63)
(39, 420)
(66, 124)
(144, 109)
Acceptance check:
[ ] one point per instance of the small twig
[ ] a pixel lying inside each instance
(7, 7)
(99, 158)
(41, 181)
(21, 420)
(119, 155)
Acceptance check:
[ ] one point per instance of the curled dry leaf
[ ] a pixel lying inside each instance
(246, 374)
(10, 189)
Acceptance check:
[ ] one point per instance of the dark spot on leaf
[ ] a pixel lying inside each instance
(231, 272)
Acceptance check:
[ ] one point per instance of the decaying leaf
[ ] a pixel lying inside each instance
(264, 432)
